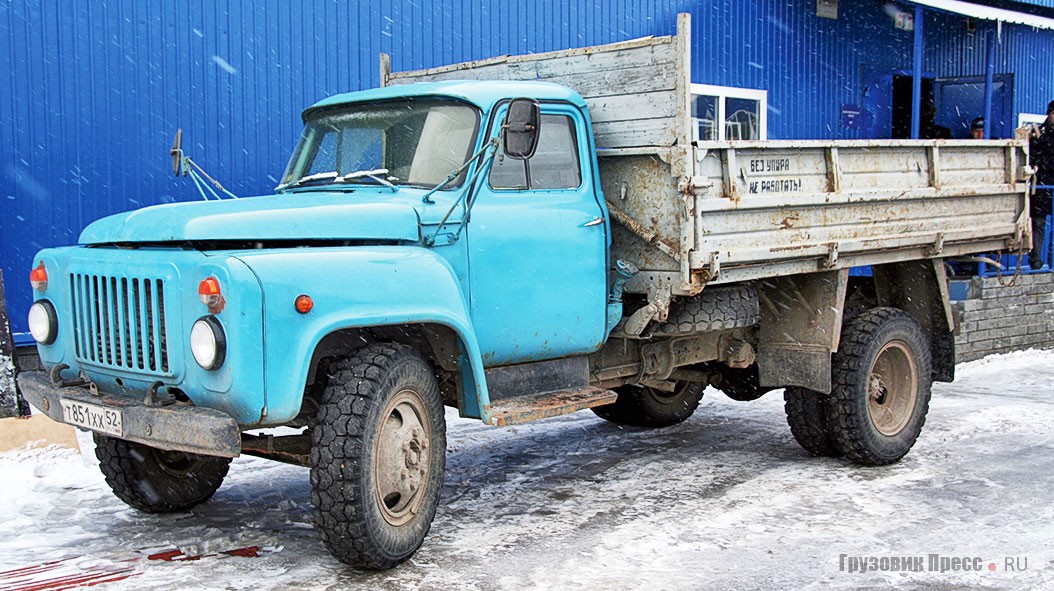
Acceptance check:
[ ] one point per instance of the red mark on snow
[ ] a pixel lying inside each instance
(66, 574)
(79, 572)
(177, 555)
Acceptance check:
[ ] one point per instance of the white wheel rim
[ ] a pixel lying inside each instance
(401, 459)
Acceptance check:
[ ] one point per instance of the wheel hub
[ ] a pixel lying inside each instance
(402, 466)
(893, 388)
(175, 463)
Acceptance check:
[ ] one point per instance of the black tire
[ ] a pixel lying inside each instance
(807, 416)
(881, 378)
(741, 384)
(642, 406)
(158, 481)
(377, 456)
(721, 307)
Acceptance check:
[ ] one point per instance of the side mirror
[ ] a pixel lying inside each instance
(522, 125)
(177, 152)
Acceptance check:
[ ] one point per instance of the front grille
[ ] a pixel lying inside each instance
(119, 322)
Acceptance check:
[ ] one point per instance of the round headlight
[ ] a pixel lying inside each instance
(43, 323)
(208, 343)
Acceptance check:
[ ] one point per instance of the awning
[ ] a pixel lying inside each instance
(988, 13)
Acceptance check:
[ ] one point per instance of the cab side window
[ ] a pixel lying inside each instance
(553, 166)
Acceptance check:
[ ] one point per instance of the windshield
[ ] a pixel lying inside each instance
(408, 142)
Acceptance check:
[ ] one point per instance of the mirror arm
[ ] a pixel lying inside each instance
(492, 144)
(182, 165)
(427, 198)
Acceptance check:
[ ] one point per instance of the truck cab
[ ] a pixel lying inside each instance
(500, 278)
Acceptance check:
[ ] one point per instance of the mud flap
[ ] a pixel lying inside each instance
(11, 402)
(801, 321)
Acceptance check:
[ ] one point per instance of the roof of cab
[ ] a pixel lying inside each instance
(482, 93)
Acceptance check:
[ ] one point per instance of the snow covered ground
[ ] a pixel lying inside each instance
(726, 500)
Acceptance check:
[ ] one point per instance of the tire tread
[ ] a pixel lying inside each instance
(636, 408)
(721, 307)
(807, 418)
(354, 388)
(847, 423)
(123, 472)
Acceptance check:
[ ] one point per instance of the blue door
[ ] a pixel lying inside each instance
(537, 242)
(876, 117)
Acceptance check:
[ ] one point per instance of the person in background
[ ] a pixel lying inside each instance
(928, 128)
(977, 128)
(1041, 156)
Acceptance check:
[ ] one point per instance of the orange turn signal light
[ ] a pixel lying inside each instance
(38, 278)
(209, 292)
(208, 289)
(303, 303)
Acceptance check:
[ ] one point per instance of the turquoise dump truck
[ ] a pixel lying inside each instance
(516, 238)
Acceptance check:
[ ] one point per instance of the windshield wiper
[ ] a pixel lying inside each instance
(336, 177)
(318, 176)
(370, 174)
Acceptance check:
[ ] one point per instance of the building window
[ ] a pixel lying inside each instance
(722, 113)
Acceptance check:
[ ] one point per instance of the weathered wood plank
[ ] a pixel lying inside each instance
(636, 133)
(631, 107)
(598, 83)
(550, 64)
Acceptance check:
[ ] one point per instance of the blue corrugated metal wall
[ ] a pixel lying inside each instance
(1022, 51)
(95, 90)
(1044, 3)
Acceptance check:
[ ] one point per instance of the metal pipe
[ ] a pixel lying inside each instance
(916, 76)
(989, 74)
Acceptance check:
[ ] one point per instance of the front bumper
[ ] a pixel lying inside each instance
(176, 427)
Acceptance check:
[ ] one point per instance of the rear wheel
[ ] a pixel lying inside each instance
(741, 384)
(377, 456)
(807, 416)
(155, 480)
(644, 406)
(881, 377)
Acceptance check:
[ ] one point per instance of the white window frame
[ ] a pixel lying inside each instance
(722, 94)
(1027, 119)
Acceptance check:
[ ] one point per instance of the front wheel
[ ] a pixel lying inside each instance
(644, 406)
(377, 456)
(881, 377)
(155, 480)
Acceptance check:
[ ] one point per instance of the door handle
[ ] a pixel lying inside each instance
(593, 222)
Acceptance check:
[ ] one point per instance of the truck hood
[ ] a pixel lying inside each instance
(315, 215)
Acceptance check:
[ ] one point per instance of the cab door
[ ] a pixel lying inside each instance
(537, 241)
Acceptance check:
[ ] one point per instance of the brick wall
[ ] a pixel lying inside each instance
(7, 385)
(994, 318)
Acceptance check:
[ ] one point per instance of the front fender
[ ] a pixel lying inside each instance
(354, 287)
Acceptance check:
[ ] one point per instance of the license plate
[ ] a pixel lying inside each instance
(92, 416)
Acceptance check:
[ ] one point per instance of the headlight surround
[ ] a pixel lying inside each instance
(43, 322)
(208, 342)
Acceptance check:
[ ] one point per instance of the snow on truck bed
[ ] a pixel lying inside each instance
(725, 500)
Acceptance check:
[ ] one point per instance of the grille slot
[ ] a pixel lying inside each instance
(120, 322)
